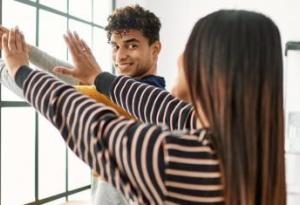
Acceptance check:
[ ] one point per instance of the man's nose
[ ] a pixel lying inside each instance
(121, 54)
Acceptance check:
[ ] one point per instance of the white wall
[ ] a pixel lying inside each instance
(179, 16)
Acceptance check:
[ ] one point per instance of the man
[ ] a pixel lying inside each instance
(134, 35)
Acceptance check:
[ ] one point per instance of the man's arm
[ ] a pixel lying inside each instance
(7, 81)
(38, 58)
(43, 61)
(46, 62)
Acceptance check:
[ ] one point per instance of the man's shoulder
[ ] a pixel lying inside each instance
(154, 80)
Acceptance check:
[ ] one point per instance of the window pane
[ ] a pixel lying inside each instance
(102, 9)
(102, 50)
(79, 172)
(83, 196)
(8, 95)
(25, 19)
(84, 30)
(51, 37)
(60, 5)
(52, 160)
(17, 147)
(81, 9)
(26, 22)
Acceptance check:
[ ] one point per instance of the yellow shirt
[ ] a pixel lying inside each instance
(93, 93)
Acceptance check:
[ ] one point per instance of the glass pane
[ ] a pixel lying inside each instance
(52, 28)
(102, 50)
(102, 9)
(292, 83)
(292, 102)
(83, 197)
(79, 172)
(292, 111)
(83, 30)
(52, 160)
(8, 95)
(17, 149)
(81, 9)
(26, 22)
(292, 164)
(25, 19)
(60, 5)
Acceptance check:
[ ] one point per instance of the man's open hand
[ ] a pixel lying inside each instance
(86, 67)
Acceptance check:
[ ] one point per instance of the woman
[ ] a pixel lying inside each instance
(233, 65)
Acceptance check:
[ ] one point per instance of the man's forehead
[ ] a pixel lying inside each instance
(126, 34)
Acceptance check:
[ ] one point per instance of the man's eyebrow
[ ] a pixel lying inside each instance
(126, 41)
(132, 40)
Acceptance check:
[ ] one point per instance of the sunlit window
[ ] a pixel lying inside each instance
(60, 5)
(17, 150)
(80, 9)
(36, 167)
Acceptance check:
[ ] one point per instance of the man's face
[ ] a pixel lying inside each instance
(132, 55)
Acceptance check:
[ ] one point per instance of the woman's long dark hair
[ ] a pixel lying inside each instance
(233, 64)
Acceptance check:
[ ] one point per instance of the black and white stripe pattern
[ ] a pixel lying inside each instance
(141, 100)
(148, 163)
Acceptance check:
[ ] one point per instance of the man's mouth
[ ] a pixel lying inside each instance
(123, 66)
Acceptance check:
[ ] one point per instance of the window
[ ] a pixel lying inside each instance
(31, 171)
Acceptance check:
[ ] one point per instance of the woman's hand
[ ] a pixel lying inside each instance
(4, 30)
(15, 52)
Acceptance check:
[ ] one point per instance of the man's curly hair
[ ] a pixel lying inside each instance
(137, 18)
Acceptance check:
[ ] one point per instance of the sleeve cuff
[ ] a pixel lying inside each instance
(104, 82)
(22, 75)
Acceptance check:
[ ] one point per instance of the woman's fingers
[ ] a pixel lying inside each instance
(5, 43)
(12, 40)
(19, 43)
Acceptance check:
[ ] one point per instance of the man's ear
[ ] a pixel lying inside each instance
(156, 47)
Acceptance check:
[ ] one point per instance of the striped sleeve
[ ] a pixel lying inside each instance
(126, 153)
(147, 163)
(152, 105)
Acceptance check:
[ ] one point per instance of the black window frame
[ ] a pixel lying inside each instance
(23, 104)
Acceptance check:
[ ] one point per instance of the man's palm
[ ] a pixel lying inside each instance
(86, 67)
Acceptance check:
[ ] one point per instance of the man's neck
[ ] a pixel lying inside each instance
(152, 71)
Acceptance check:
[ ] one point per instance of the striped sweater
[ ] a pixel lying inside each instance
(171, 163)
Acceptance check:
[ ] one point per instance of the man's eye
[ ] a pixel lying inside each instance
(132, 46)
